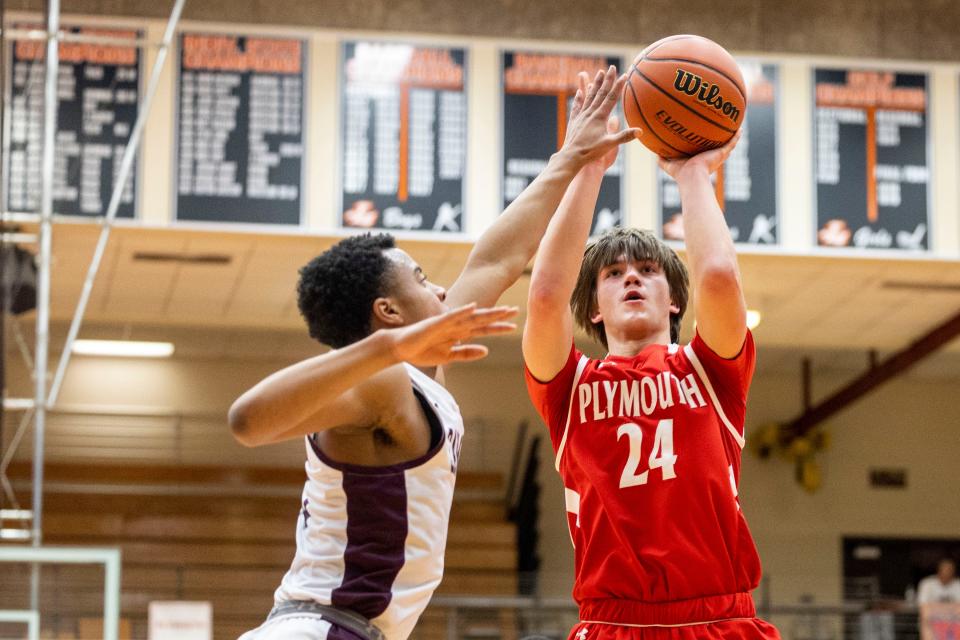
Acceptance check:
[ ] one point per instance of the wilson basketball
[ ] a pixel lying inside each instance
(686, 94)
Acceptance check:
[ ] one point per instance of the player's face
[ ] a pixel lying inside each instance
(633, 299)
(416, 297)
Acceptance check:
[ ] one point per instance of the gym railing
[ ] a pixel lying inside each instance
(68, 596)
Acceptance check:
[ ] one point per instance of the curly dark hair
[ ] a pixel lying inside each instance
(337, 288)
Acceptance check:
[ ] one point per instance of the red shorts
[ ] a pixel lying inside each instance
(729, 617)
(742, 629)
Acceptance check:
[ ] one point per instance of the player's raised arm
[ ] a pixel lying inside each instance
(502, 252)
(548, 332)
(718, 296)
(357, 385)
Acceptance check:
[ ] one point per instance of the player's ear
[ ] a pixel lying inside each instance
(386, 312)
(674, 308)
(595, 316)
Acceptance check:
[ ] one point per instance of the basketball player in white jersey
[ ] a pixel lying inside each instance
(382, 434)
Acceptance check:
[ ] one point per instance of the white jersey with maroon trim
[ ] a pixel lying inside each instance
(372, 539)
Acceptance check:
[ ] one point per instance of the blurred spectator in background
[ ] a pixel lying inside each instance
(942, 587)
(877, 622)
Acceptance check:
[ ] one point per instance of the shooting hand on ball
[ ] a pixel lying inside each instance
(708, 161)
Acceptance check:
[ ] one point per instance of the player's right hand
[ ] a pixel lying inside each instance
(708, 161)
(588, 137)
(445, 338)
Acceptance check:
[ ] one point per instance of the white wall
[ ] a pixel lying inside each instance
(910, 423)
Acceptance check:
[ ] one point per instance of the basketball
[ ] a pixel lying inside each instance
(686, 94)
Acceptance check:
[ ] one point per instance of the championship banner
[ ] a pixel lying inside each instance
(403, 137)
(940, 621)
(99, 97)
(240, 140)
(746, 184)
(871, 159)
(538, 91)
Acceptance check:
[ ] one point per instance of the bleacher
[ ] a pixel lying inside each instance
(223, 535)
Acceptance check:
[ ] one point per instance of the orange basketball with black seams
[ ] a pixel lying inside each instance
(686, 94)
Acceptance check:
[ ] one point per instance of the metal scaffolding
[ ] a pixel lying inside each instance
(126, 164)
(50, 105)
(42, 402)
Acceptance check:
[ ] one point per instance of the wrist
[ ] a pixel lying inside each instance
(593, 169)
(565, 161)
(385, 347)
(693, 172)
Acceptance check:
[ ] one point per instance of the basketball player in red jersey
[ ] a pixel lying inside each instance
(648, 439)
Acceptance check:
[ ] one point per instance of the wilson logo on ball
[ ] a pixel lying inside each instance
(709, 94)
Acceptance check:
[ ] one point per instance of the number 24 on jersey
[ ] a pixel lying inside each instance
(662, 456)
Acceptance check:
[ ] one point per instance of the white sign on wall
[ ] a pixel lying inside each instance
(180, 621)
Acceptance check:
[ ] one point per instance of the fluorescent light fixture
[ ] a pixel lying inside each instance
(123, 348)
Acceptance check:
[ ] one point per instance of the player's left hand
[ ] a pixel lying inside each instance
(445, 338)
(588, 137)
(613, 126)
(708, 160)
(604, 162)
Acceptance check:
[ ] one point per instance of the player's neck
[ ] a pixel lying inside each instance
(628, 346)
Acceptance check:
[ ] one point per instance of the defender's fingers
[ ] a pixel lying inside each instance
(578, 99)
(454, 316)
(613, 124)
(495, 313)
(451, 319)
(583, 80)
(613, 97)
(460, 312)
(604, 93)
(577, 104)
(592, 90)
(626, 135)
(479, 318)
(495, 328)
(467, 352)
(485, 321)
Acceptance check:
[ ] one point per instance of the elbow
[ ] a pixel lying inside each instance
(546, 298)
(240, 424)
(720, 277)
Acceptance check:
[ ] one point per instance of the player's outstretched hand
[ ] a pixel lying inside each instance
(587, 137)
(710, 160)
(445, 338)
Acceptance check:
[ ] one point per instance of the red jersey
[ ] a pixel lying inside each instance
(649, 451)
